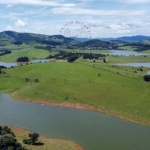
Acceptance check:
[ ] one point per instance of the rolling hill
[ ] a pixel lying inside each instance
(11, 37)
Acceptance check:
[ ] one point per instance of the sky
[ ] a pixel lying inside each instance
(80, 18)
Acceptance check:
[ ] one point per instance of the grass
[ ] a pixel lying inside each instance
(15, 47)
(115, 90)
(92, 51)
(49, 144)
(31, 53)
(128, 48)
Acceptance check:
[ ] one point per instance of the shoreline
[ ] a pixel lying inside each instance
(41, 136)
(88, 108)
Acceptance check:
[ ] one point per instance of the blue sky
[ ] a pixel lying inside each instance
(82, 18)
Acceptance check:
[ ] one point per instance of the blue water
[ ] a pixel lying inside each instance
(125, 53)
(8, 65)
(142, 64)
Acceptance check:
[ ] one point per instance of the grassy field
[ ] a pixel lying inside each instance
(92, 51)
(31, 53)
(15, 47)
(128, 48)
(49, 144)
(114, 90)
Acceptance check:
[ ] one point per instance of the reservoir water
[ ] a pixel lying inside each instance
(125, 53)
(8, 65)
(141, 64)
(148, 72)
(92, 130)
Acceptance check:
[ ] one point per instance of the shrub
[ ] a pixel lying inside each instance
(147, 78)
(33, 138)
(27, 141)
(36, 80)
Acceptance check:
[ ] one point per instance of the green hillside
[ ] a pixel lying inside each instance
(11, 37)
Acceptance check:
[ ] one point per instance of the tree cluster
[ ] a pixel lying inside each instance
(4, 52)
(22, 59)
(8, 141)
(70, 57)
(92, 56)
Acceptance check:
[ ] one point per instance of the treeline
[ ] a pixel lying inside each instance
(92, 56)
(139, 46)
(44, 47)
(22, 59)
(70, 57)
(4, 52)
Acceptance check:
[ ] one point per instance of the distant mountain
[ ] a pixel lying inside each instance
(80, 39)
(7, 37)
(94, 43)
(137, 38)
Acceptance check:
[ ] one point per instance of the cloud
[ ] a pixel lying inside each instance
(136, 1)
(37, 2)
(125, 1)
(21, 23)
(8, 6)
(84, 11)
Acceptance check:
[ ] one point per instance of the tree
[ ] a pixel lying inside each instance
(104, 60)
(33, 138)
(147, 78)
(36, 80)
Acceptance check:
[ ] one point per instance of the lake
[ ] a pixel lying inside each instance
(92, 130)
(125, 53)
(148, 72)
(144, 64)
(141, 64)
(8, 65)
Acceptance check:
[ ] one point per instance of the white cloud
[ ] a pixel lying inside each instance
(136, 1)
(37, 2)
(9, 6)
(84, 11)
(21, 23)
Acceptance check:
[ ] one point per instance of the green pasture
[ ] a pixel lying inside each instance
(128, 48)
(31, 53)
